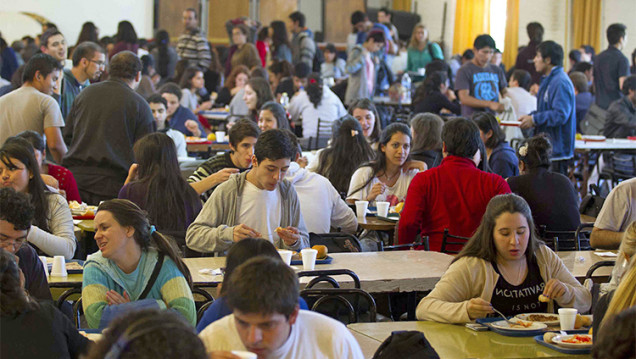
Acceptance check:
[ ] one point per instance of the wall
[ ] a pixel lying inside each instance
(623, 11)
(69, 15)
(432, 13)
(555, 16)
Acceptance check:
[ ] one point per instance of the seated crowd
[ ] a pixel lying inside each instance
(112, 130)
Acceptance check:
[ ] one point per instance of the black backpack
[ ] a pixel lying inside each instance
(406, 345)
(592, 203)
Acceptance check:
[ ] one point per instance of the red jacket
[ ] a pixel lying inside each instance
(453, 195)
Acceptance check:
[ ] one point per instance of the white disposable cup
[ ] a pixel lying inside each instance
(220, 136)
(244, 355)
(59, 267)
(286, 255)
(421, 71)
(383, 208)
(309, 258)
(361, 208)
(567, 317)
(45, 264)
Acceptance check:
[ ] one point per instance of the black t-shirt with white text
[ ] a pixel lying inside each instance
(523, 298)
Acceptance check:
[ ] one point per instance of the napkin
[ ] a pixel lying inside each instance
(606, 254)
(209, 271)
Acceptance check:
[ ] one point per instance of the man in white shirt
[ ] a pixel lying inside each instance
(522, 101)
(321, 205)
(258, 203)
(618, 212)
(267, 321)
(31, 107)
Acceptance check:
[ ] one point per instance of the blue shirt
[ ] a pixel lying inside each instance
(179, 118)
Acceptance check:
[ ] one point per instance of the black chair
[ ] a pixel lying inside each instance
(336, 242)
(419, 241)
(595, 288)
(202, 310)
(76, 305)
(335, 303)
(453, 240)
(559, 240)
(619, 166)
(583, 232)
(325, 276)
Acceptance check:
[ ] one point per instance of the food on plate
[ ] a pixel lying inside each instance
(89, 213)
(75, 205)
(542, 318)
(591, 331)
(579, 339)
(518, 323)
(73, 266)
(322, 251)
(547, 337)
(582, 321)
(543, 298)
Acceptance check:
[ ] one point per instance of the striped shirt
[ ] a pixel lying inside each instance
(210, 167)
(194, 48)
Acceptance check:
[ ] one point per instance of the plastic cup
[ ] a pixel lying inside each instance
(309, 258)
(567, 317)
(220, 136)
(59, 267)
(45, 264)
(286, 256)
(361, 209)
(244, 355)
(421, 71)
(383, 208)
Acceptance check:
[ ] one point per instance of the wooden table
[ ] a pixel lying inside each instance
(578, 267)
(376, 224)
(207, 147)
(456, 341)
(587, 219)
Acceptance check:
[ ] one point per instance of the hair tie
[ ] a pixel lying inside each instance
(354, 133)
(152, 230)
(523, 150)
(312, 81)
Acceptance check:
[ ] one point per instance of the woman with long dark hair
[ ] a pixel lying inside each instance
(273, 115)
(348, 150)
(192, 84)
(118, 278)
(257, 92)
(89, 32)
(281, 48)
(386, 178)
(502, 159)
(316, 102)
(155, 184)
(125, 39)
(52, 230)
(24, 320)
(503, 256)
(165, 56)
(434, 96)
(235, 82)
(365, 112)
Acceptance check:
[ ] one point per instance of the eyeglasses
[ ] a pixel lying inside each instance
(16, 244)
(98, 63)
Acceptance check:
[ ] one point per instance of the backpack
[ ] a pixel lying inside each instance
(592, 202)
(406, 345)
(594, 121)
(319, 57)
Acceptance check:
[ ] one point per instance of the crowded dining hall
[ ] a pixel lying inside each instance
(317, 179)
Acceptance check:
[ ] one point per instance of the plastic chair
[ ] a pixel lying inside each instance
(448, 240)
(340, 307)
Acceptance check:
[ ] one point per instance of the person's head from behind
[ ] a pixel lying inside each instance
(549, 55)
(42, 72)
(617, 35)
(126, 33)
(358, 20)
(426, 129)
(629, 88)
(272, 115)
(574, 56)
(535, 32)
(16, 215)
(278, 33)
(13, 298)
(159, 107)
(52, 43)
(257, 92)
(489, 130)
(434, 82)
(273, 153)
(126, 66)
(484, 48)
(586, 68)
(146, 334)
(37, 142)
(263, 295)
(467, 56)
(244, 250)
(506, 232)
(90, 59)
(155, 155)
(296, 21)
(365, 112)
(192, 79)
(395, 145)
(19, 168)
(190, 19)
(301, 71)
(243, 136)
(172, 93)
(375, 41)
(535, 153)
(520, 78)
(579, 80)
(616, 338)
(460, 137)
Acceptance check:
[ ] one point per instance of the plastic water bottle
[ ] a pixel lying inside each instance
(284, 100)
(406, 83)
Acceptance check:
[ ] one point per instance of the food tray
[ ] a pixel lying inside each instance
(327, 260)
(68, 264)
(539, 339)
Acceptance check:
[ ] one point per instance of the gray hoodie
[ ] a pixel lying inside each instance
(213, 229)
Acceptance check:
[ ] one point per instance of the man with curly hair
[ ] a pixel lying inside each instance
(16, 214)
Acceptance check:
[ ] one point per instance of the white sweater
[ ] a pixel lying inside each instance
(312, 336)
(60, 240)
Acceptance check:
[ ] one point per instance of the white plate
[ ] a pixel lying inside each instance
(549, 322)
(560, 338)
(502, 324)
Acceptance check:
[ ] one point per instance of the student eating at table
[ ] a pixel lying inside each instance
(52, 230)
(365, 112)
(273, 115)
(503, 266)
(179, 117)
(191, 84)
(136, 267)
(32, 329)
(257, 93)
(218, 169)
(258, 203)
(240, 253)
(155, 184)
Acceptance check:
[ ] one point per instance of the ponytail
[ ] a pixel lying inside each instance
(165, 245)
(314, 89)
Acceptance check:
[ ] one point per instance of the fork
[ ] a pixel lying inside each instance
(503, 316)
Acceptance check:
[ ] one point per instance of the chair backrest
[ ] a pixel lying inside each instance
(560, 240)
(202, 310)
(336, 303)
(76, 305)
(419, 241)
(323, 134)
(450, 242)
(595, 288)
(336, 242)
(325, 275)
(583, 232)
(623, 166)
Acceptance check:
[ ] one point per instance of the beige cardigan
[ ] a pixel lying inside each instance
(472, 277)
